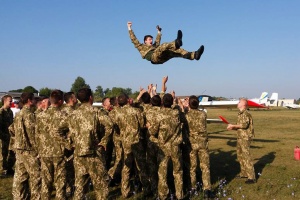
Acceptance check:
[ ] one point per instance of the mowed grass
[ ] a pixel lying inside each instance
(277, 132)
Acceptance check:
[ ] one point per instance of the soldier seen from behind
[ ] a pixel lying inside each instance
(85, 134)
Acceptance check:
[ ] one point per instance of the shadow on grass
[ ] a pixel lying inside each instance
(263, 162)
(223, 165)
(234, 138)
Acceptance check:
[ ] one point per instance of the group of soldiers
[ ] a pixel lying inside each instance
(69, 145)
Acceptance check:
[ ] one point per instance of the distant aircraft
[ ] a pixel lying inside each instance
(291, 105)
(263, 102)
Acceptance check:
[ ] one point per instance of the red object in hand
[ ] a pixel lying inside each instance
(223, 119)
(297, 153)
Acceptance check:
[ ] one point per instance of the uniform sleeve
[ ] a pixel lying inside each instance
(108, 127)
(157, 40)
(134, 40)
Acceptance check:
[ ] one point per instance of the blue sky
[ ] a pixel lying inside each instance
(250, 46)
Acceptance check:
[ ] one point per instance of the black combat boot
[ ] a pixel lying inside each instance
(178, 41)
(199, 52)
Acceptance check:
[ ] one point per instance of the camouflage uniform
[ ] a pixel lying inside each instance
(158, 54)
(115, 171)
(27, 162)
(110, 144)
(244, 137)
(152, 149)
(6, 157)
(130, 120)
(51, 128)
(198, 139)
(85, 133)
(167, 133)
(70, 176)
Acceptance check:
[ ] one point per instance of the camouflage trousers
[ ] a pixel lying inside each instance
(152, 149)
(203, 156)
(93, 167)
(166, 51)
(137, 155)
(53, 171)
(7, 157)
(164, 158)
(27, 170)
(244, 158)
(115, 170)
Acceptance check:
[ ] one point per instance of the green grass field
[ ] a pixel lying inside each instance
(277, 132)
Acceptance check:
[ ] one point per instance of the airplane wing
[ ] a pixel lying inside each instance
(228, 104)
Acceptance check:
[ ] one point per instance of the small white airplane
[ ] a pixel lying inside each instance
(262, 102)
(291, 105)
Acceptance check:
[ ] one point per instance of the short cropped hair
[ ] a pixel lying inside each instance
(122, 99)
(147, 36)
(5, 97)
(105, 99)
(25, 96)
(145, 98)
(67, 96)
(167, 100)
(113, 101)
(84, 94)
(193, 102)
(156, 100)
(56, 96)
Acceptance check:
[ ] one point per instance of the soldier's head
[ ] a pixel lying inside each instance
(145, 98)
(27, 98)
(113, 101)
(70, 98)
(85, 95)
(156, 100)
(193, 102)
(6, 101)
(243, 104)
(57, 98)
(167, 100)
(148, 40)
(122, 100)
(106, 103)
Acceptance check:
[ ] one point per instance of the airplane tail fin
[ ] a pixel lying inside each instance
(263, 98)
(273, 99)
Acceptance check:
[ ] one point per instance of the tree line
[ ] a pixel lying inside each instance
(99, 92)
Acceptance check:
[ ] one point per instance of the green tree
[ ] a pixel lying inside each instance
(116, 91)
(30, 89)
(18, 90)
(78, 84)
(99, 93)
(45, 91)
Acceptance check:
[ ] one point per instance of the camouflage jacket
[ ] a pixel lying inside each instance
(106, 127)
(143, 48)
(116, 131)
(23, 130)
(129, 120)
(168, 129)
(6, 119)
(247, 130)
(151, 118)
(67, 109)
(51, 128)
(84, 125)
(196, 128)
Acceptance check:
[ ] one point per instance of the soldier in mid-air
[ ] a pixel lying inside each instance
(160, 53)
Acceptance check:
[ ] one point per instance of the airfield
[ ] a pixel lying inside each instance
(277, 132)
